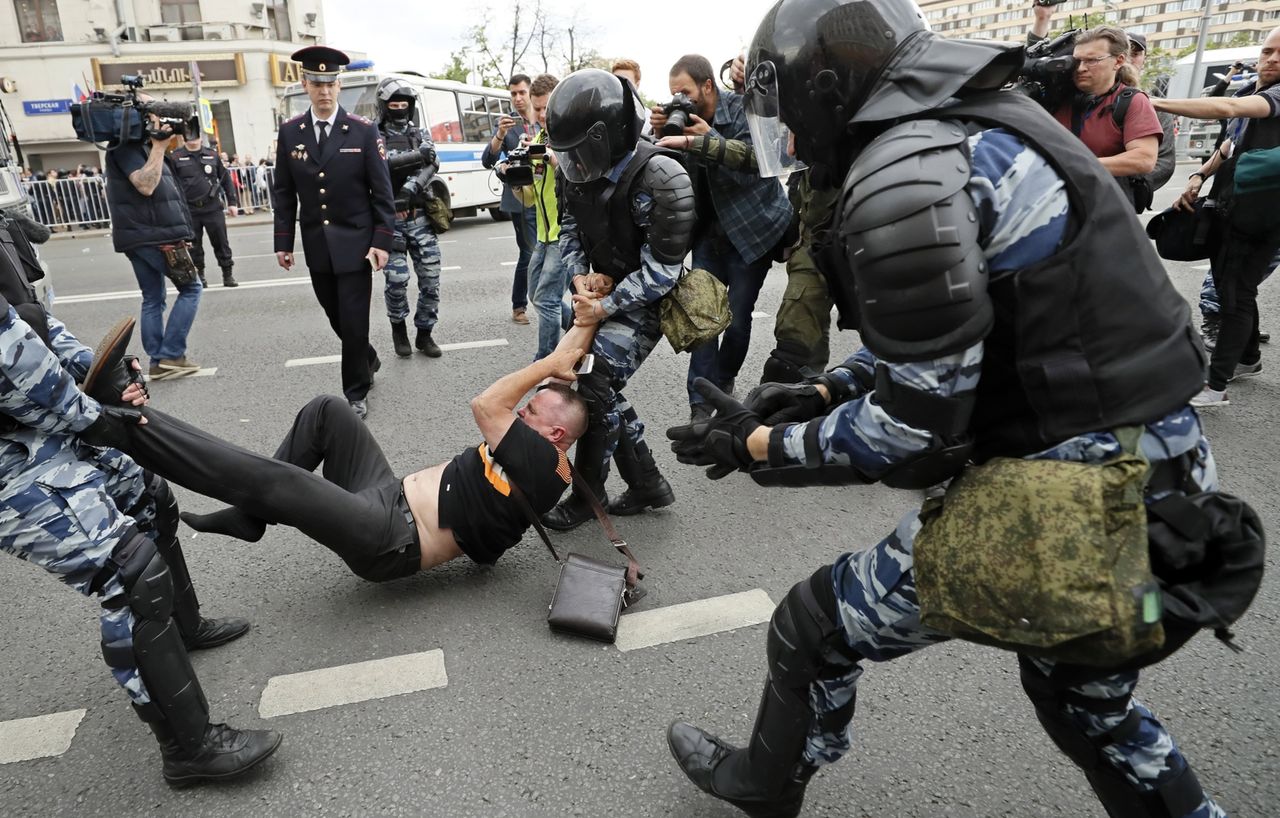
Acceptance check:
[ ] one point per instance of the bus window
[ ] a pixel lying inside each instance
(361, 100)
(477, 126)
(441, 111)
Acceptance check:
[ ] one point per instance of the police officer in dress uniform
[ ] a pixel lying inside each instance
(332, 165)
(414, 155)
(201, 173)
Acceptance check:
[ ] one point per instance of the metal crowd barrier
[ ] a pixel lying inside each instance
(70, 203)
(80, 202)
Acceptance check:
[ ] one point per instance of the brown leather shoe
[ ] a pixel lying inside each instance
(519, 316)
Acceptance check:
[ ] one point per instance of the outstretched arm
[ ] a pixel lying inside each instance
(494, 408)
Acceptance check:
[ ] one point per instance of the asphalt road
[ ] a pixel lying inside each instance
(529, 723)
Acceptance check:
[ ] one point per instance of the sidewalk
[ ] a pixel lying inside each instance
(259, 216)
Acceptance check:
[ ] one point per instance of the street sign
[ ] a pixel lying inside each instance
(40, 107)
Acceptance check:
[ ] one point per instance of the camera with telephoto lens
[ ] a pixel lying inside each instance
(678, 111)
(520, 164)
(121, 119)
(411, 175)
(1050, 2)
(1048, 70)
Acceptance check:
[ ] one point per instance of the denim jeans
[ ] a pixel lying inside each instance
(161, 339)
(526, 226)
(719, 360)
(547, 284)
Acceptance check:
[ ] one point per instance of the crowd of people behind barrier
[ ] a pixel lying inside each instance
(75, 199)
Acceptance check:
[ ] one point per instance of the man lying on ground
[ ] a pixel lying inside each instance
(382, 527)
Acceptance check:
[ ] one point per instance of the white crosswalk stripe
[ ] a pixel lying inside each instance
(334, 359)
(688, 620)
(349, 684)
(38, 736)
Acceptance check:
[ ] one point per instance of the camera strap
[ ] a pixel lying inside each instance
(1083, 106)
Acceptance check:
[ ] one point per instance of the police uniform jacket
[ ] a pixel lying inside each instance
(201, 173)
(344, 193)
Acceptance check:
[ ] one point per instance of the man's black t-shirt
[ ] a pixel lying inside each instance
(475, 491)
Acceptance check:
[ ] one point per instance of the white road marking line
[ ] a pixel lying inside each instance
(199, 373)
(1202, 267)
(688, 620)
(333, 359)
(38, 736)
(510, 263)
(136, 295)
(501, 238)
(349, 684)
(447, 269)
(758, 314)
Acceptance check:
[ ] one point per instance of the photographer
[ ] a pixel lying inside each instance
(740, 216)
(1114, 120)
(151, 226)
(506, 138)
(201, 173)
(547, 276)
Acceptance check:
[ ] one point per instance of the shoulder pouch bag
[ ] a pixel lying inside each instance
(590, 594)
(695, 311)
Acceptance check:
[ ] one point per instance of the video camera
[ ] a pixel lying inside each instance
(520, 163)
(411, 175)
(1048, 69)
(678, 111)
(121, 119)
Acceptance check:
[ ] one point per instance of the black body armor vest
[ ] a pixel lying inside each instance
(18, 268)
(1095, 336)
(608, 231)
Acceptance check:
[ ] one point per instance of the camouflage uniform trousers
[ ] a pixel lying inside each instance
(624, 341)
(804, 316)
(876, 595)
(423, 247)
(66, 512)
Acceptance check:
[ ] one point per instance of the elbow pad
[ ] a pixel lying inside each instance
(671, 219)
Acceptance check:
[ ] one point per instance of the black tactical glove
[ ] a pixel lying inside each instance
(720, 441)
(112, 426)
(786, 402)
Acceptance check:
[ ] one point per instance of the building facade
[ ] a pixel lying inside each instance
(51, 50)
(1172, 25)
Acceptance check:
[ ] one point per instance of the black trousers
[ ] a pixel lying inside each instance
(1238, 269)
(215, 222)
(345, 299)
(354, 510)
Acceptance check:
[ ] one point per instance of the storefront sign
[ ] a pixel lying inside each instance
(284, 71)
(40, 107)
(216, 70)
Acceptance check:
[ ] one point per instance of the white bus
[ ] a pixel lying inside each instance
(460, 118)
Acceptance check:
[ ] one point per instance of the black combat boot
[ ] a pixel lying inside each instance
(225, 752)
(229, 280)
(767, 778)
(400, 339)
(646, 487)
(425, 345)
(109, 374)
(1209, 326)
(204, 283)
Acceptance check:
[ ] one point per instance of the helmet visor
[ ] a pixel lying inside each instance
(588, 158)
(770, 138)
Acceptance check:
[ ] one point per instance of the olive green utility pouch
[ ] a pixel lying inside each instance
(695, 311)
(439, 214)
(1044, 557)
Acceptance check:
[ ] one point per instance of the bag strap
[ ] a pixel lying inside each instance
(634, 572)
(523, 502)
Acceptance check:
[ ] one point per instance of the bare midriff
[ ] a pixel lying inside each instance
(422, 491)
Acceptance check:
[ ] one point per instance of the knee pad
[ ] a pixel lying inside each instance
(804, 631)
(145, 576)
(166, 505)
(595, 388)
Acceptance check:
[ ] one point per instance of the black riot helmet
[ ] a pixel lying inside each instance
(593, 121)
(398, 90)
(814, 61)
(820, 65)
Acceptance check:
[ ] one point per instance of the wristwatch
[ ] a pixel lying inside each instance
(1198, 173)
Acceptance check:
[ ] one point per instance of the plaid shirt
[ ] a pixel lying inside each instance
(753, 212)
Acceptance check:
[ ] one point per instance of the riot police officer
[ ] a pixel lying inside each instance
(205, 181)
(629, 214)
(411, 157)
(985, 290)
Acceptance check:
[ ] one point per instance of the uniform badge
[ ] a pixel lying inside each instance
(299, 152)
(382, 149)
(208, 168)
(345, 127)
